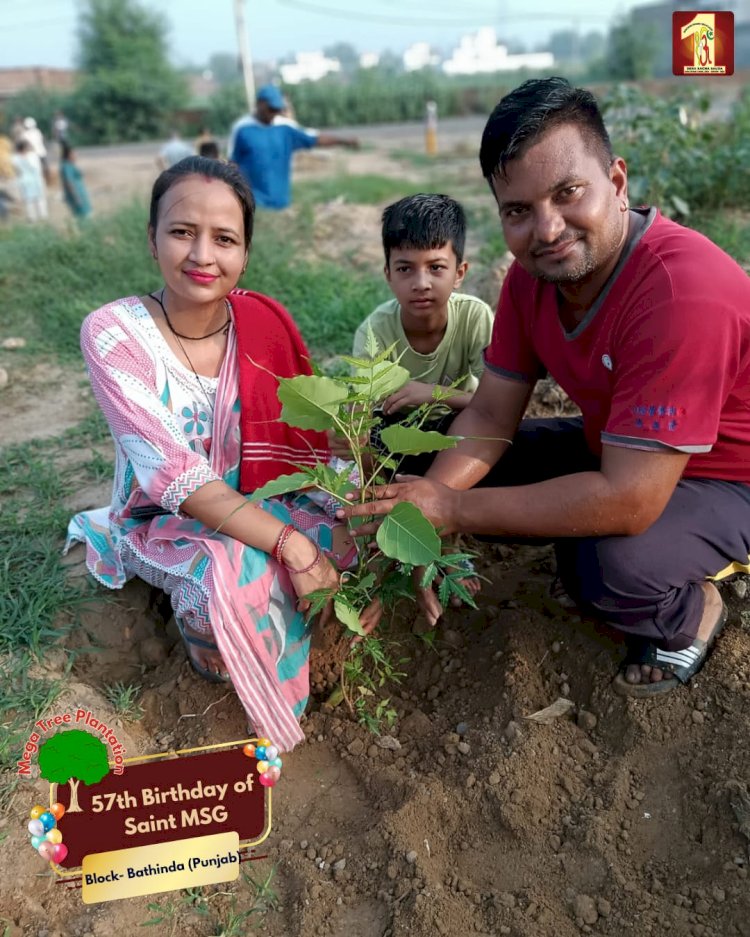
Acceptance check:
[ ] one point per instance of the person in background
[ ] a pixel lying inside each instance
(30, 181)
(173, 151)
(71, 179)
(206, 139)
(209, 149)
(262, 146)
(60, 128)
(33, 134)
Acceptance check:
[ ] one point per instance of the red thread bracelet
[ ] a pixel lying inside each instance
(306, 569)
(278, 550)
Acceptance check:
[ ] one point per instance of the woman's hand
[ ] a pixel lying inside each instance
(299, 552)
(437, 502)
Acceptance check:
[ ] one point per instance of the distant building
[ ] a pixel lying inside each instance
(481, 52)
(15, 80)
(420, 55)
(309, 66)
(369, 60)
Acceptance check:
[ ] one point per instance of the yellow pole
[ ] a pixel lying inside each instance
(430, 130)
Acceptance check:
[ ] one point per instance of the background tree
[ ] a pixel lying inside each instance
(128, 89)
(70, 757)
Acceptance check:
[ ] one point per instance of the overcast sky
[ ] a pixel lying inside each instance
(43, 32)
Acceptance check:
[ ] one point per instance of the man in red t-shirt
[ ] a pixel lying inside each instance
(646, 325)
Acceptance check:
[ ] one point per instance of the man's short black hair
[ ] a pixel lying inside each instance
(532, 109)
(424, 222)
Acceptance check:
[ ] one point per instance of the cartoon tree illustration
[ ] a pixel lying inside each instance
(70, 757)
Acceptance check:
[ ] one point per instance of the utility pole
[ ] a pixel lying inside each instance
(244, 48)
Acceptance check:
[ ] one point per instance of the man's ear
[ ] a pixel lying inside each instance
(460, 273)
(618, 174)
(387, 272)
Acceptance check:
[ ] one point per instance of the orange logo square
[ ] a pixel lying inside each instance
(703, 43)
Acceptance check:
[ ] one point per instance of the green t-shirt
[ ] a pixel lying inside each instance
(459, 354)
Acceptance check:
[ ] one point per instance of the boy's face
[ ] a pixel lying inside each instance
(423, 280)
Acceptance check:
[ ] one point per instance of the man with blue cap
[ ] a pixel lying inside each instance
(262, 147)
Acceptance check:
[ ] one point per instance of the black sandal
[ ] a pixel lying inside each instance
(682, 665)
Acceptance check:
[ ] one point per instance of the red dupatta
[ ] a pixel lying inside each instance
(269, 345)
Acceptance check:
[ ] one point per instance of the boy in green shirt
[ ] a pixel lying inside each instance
(439, 335)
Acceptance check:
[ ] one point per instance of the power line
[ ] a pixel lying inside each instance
(452, 22)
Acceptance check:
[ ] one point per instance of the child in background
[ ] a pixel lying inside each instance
(439, 335)
(71, 179)
(30, 181)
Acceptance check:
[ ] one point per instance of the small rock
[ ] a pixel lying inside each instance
(739, 587)
(452, 638)
(586, 720)
(372, 751)
(585, 909)
(464, 748)
(303, 844)
(555, 843)
(315, 892)
(494, 778)
(11, 343)
(556, 647)
(310, 853)
(512, 731)
(603, 907)
(356, 747)
(340, 865)
(388, 742)
(702, 906)
(564, 689)
(462, 728)
(471, 780)
(411, 857)
(697, 717)
(516, 797)
(719, 894)
(508, 899)
(416, 725)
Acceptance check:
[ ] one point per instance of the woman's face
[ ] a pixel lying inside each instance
(199, 240)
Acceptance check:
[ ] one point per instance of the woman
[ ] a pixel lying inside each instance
(73, 185)
(166, 371)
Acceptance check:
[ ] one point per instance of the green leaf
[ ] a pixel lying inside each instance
(406, 535)
(348, 616)
(310, 402)
(371, 343)
(386, 378)
(281, 486)
(681, 205)
(407, 440)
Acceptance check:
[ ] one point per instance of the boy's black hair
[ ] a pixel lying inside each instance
(424, 222)
(536, 106)
(212, 169)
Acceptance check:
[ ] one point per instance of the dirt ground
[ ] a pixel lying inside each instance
(468, 817)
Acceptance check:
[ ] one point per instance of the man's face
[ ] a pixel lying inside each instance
(264, 112)
(563, 215)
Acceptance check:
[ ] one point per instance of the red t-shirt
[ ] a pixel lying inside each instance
(661, 359)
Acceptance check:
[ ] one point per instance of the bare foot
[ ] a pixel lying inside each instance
(203, 652)
(642, 673)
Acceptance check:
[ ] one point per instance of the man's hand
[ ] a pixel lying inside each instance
(437, 502)
(413, 394)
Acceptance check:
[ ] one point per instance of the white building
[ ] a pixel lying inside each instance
(419, 55)
(480, 52)
(309, 66)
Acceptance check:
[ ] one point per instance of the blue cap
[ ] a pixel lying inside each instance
(272, 96)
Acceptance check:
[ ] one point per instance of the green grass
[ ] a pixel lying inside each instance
(124, 699)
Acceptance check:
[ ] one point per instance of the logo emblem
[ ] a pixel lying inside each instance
(607, 362)
(703, 43)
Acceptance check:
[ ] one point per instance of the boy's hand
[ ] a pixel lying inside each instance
(411, 395)
(338, 445)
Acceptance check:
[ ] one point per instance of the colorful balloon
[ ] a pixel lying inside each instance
(46, 850)
(248, 750)
(57, 810)
(264, 780)
(47, 820)
(277, 762)
(273, 773)
(260, 752)
(36, 828)
(263, 742)
(262, 766)
(36, 812)
(59, 852)
(36, 841)
(54, 836)
(271, 752)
